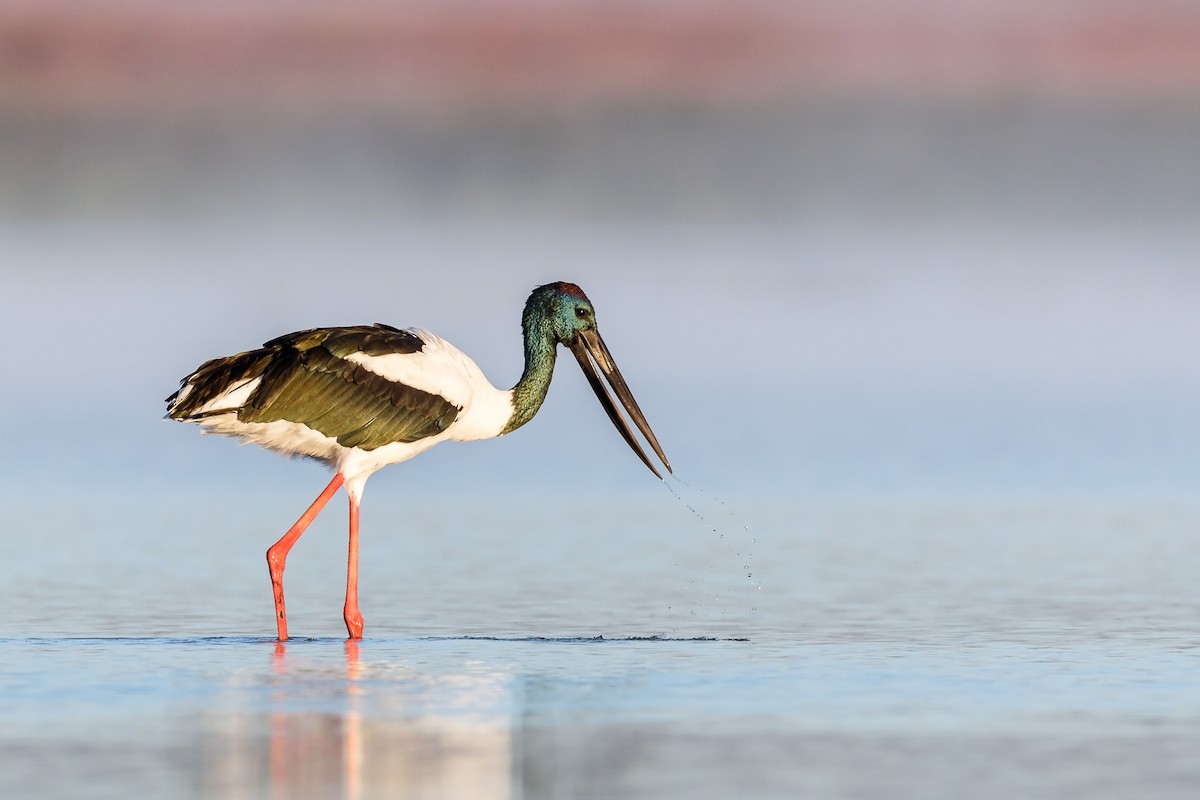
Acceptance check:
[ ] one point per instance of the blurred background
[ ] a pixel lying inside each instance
(839, 248)
(907, 289)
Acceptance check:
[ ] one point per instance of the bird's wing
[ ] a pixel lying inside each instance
(309, 381)
(372, 340)
(212, 380)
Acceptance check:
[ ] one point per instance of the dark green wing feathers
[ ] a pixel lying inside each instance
(345, 401)
(212, 379)
(305, 378)
(371, 340)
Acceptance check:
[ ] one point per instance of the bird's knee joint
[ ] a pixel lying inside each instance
(275, 560)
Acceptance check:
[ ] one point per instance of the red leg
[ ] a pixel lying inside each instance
(350, 612)
(277, 553)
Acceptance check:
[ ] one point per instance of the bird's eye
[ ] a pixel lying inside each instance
(582, 312)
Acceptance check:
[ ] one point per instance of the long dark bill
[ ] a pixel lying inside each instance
(589, 347)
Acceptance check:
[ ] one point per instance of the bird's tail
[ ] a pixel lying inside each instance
(213, 380)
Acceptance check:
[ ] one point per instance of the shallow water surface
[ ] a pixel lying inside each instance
(903, 650)
(482, 718)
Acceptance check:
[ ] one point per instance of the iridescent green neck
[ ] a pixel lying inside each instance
(540, 351)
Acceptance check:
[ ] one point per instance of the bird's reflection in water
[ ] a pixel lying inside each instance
(366, 730)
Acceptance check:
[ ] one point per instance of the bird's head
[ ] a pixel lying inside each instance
(564, 308)
(572, 322)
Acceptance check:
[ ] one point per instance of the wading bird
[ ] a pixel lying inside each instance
(362, 397)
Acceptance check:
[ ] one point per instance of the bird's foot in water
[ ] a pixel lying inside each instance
(354, 622)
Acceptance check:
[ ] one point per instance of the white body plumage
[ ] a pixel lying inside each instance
(438, 368)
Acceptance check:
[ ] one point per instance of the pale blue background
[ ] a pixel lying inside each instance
(925, 366)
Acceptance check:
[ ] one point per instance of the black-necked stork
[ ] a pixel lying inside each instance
(362, 397)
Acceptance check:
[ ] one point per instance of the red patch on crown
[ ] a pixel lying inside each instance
(570, 289)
